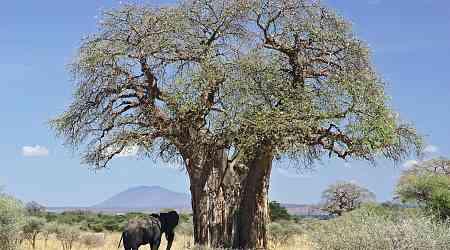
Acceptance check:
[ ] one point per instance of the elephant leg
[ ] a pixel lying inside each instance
(155, 245)
(170, 236)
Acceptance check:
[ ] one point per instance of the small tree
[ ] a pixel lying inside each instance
(278, 212)
(345, 196)
(67, 235)
(32, 228)
(427, 184)
(35, 209)
(11, 219)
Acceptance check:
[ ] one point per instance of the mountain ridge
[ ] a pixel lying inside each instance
(154, 196)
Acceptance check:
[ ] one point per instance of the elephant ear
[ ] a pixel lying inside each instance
(169, 220)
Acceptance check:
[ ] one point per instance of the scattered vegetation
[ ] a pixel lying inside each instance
(345, 196)
(67, 235)
(11, 221)
(375, 227)
(428, 185)
(91, 240)
(32, 228)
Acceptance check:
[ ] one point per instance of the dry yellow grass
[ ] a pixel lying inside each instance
(181, 242)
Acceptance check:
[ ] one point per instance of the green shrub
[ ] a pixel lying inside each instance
(11, 220)
(431, 191)
(374, 228)
(277, 212)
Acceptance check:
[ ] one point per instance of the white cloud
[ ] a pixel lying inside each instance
(410, 163)
(34, 151)
(128, 151)
(430, 149)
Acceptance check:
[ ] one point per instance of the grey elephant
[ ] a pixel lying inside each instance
(141, 232)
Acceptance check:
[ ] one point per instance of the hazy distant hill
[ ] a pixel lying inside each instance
(304, 210)
(155, 198)
(144, 197)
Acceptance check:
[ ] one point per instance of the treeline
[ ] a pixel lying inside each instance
(98, 222)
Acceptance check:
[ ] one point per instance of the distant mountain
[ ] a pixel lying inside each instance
(303, 209)
(154, 198)
(146, 197)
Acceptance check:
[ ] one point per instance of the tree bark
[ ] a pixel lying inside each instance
(230, 208)
(253, 215)
(212, 200)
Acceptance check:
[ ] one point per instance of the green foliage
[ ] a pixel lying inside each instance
(430, 191)
(375, 227)
(11, 220)
(345, 196)
(307, 88)
(101, 222)
(277, 212)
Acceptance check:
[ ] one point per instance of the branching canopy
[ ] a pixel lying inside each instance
(233, 74)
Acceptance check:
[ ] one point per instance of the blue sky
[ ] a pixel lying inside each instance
(411, 48)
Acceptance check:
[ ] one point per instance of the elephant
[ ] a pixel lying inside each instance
(139, 232)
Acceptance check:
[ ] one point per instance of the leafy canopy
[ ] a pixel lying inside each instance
(427, 184)
(235, 74)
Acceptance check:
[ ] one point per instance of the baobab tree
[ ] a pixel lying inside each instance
(344, 196)
(226, 87)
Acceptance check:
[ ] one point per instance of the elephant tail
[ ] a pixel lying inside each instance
(120, 241)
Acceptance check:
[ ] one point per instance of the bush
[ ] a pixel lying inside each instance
(282, 231)
(11, 220)
(277, 212)
(373, 228)
(67, 235)
(185, 226)
(429, 190)
(32, 228)
(93, 240)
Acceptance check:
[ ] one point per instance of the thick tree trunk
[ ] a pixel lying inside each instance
(212, 200)
(253, 215)
(230, 208)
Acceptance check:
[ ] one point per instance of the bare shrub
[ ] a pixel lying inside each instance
(67, 235)
(92, 240)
